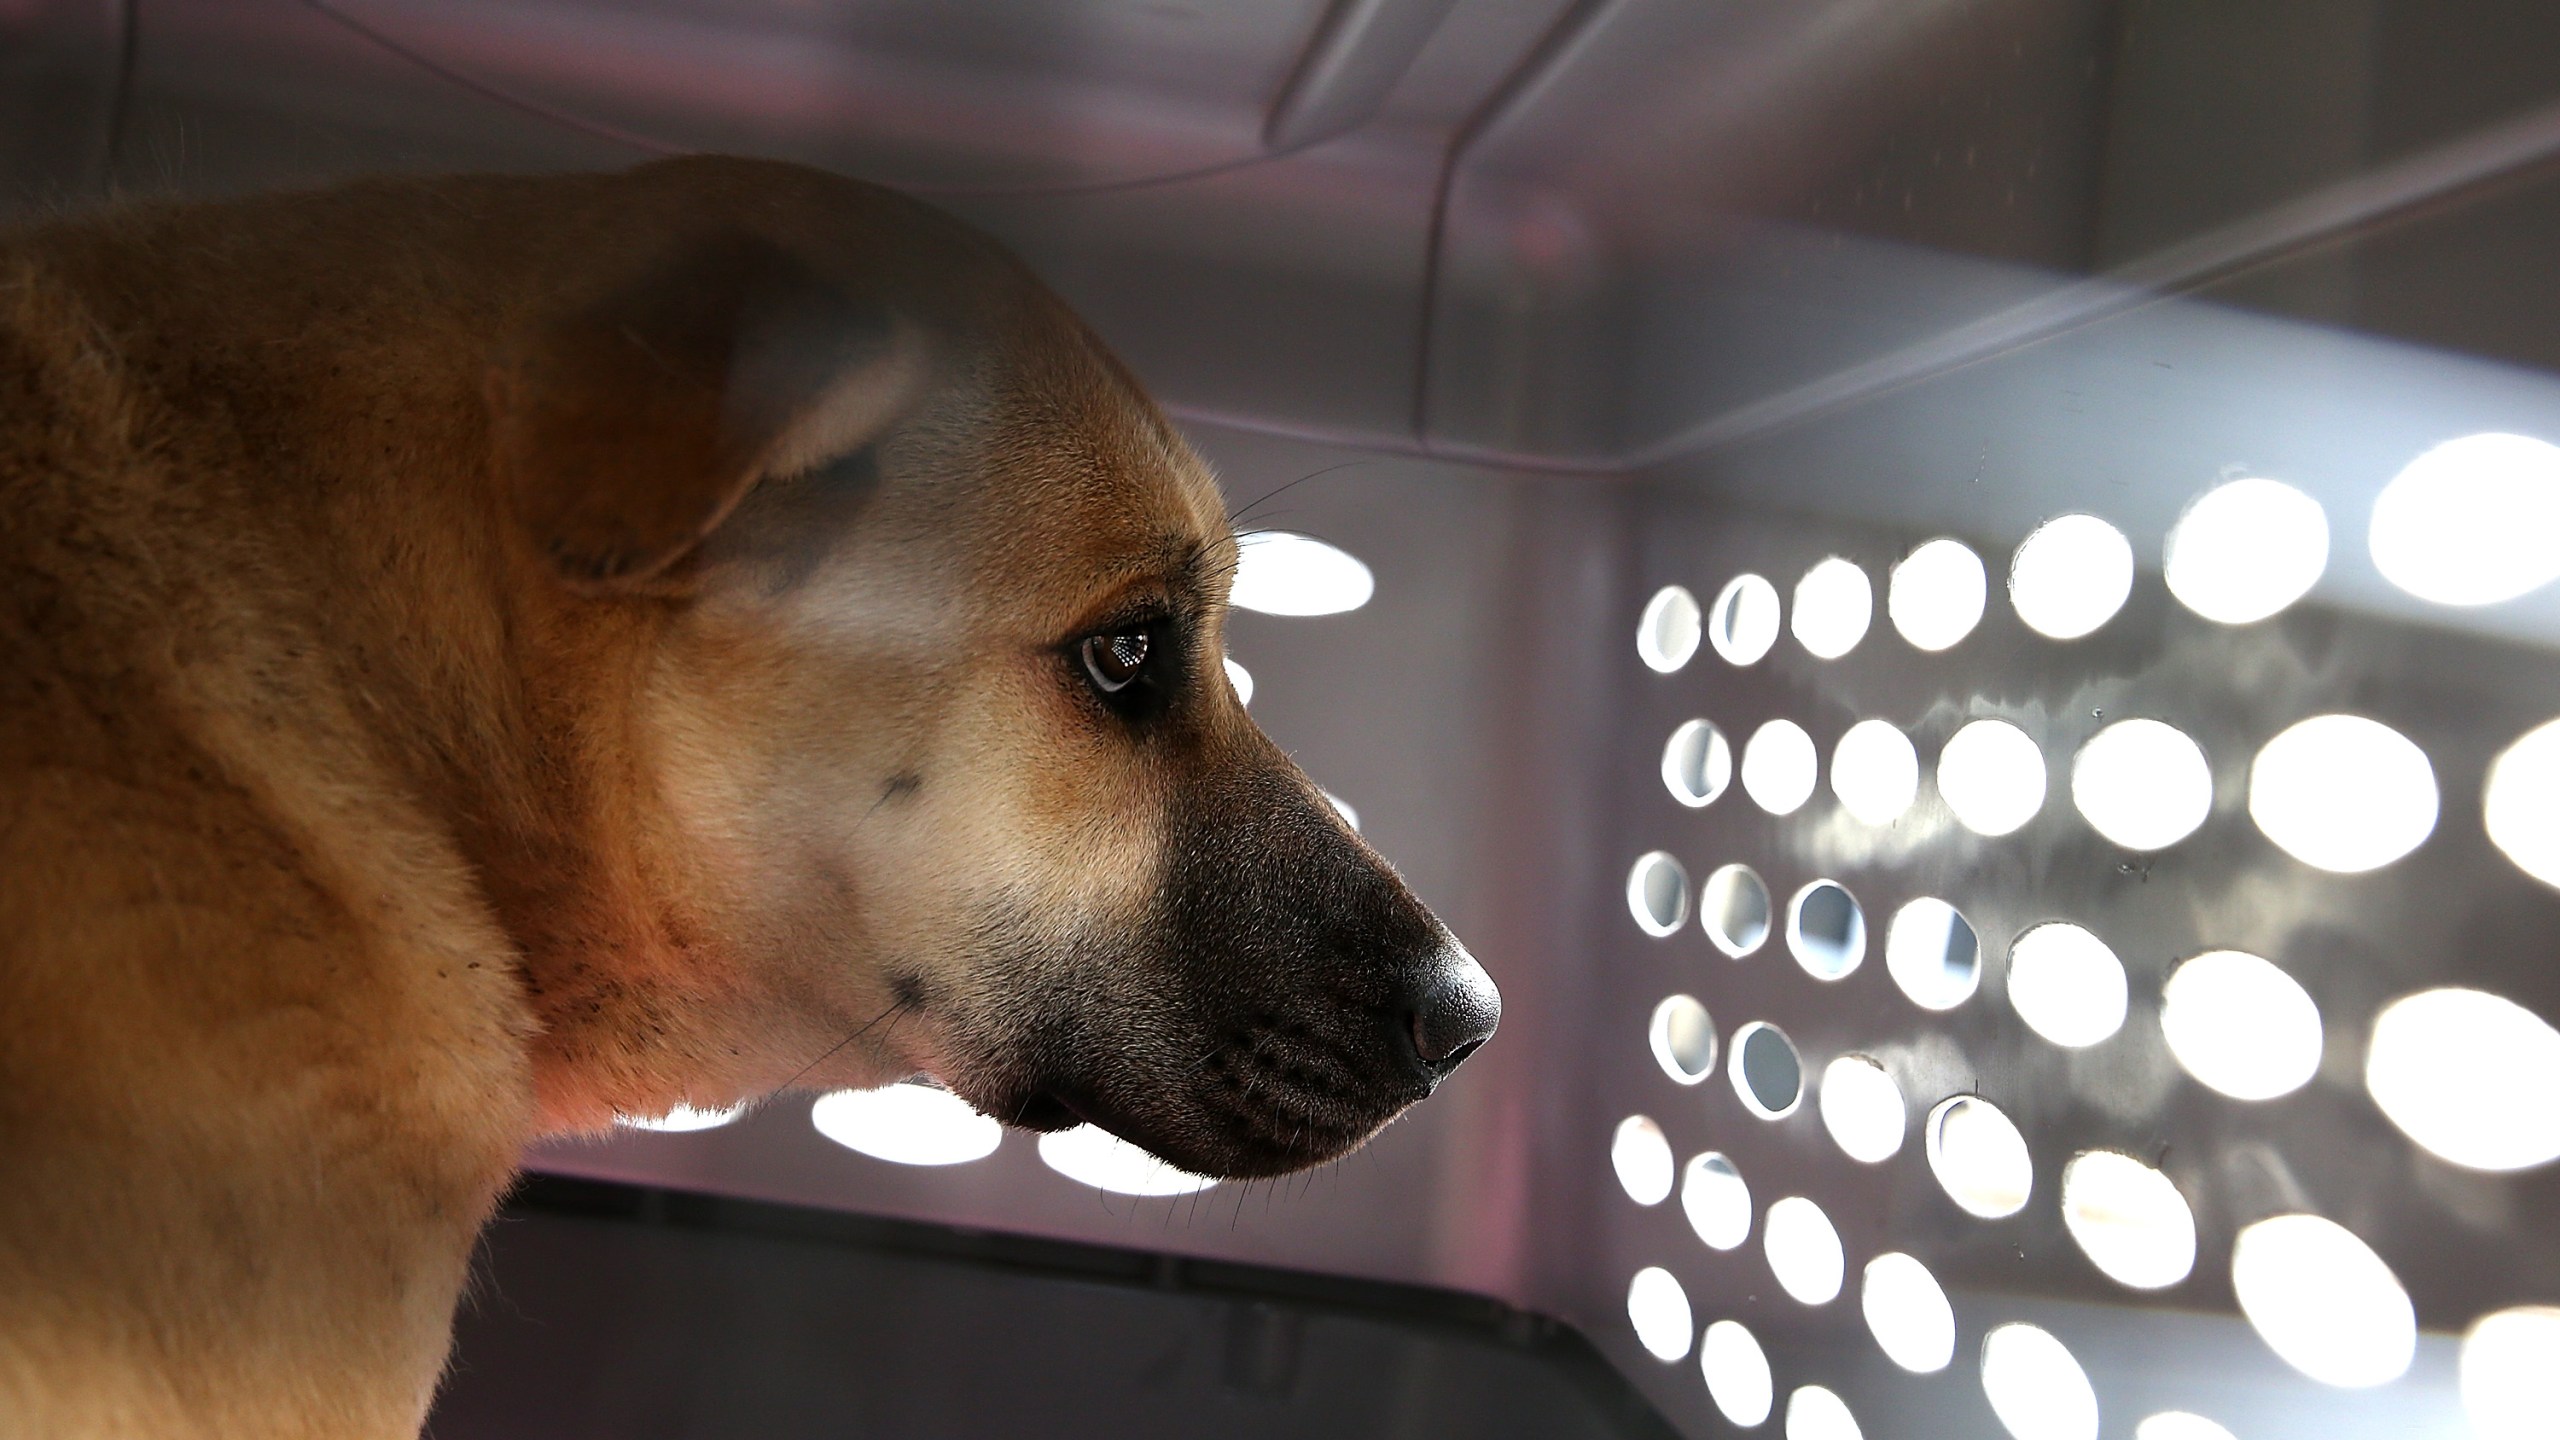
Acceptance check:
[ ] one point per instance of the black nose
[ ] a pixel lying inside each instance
(1455, 1010)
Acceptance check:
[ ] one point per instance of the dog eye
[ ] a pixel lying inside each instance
(1114, 661)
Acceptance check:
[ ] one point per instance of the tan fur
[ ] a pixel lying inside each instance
(373, 798)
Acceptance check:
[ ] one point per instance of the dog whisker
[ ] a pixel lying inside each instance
(1268, 495)
(896, 1007)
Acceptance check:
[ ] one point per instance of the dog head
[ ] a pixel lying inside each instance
(948, 775)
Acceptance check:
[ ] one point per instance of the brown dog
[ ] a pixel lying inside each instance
(481, 656)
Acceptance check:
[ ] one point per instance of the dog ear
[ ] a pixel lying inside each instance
(627, 429)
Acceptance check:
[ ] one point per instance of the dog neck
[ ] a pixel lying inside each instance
(422, 663)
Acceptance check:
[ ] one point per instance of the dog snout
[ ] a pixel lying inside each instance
(1452, 1010)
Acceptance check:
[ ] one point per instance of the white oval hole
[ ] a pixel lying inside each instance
(1834, 606)
(1279, 573)
(2129, 1219)
(2142, 784)
(1814, 1413)
(1907, 1310)
(1717, 1202)
(2511, 1373)
(2179, 1425)
(1766, 1071)
(1875, 772)
(2323, 1301)
(1744, 625)
(1978, 1157)
(2474, 521)
(2246, 550)
(1090, 1155)
(1658, 894)
(906, 1124)
(2521, 803)
(1733, 908)
(1862, 1108)
(1992, 777)
(1697, 764)
(1778, 767)
(1667, 633)
(1826, 931)
(1343, 808)
(1933, 954)
(2035, 1387)
(1642, 1157)
(1683, 1037)
(2343, 793)
(1804, 1250)
(1242, 681)
(1937, 594)
(2240, 1026)
(1659, 1310)
(2474, 1078)
(2071, 576)
(2066, 984)
(682, 1120)
(1737, 1372)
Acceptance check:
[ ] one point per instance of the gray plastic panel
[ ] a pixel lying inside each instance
(59, 67)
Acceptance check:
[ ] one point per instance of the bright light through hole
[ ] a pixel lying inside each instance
(1659, 1310)
(908, 1124)
(1908, 1311)
(2246, 551)
(2521, 805)
(2472, 522)
(1092, 1156)
(1932, 952)
(1804, 1250)
(2129, 1219)
(1814, 1413)
(1642, 1157)
(2035, 1387)
(2142, 784)
(1937, 594)
(1875, 772)
(1737, 1372)
(2179, 1425)
(1684, 1039)
(1834, 605)
(1744, 624)
(1342, 808)
(2343, 793)
(2323, 1301)
(1826, 931)
(1697, 763)
(1978, 1157)
(2066, 984)
(2241, 1026)
(1242, 680)
(682, 1120)
(2071, 576)
(1279, 573)
(1658, 894)
(2511, 1374)
(1667, 634)
(1734, 909)
(1778, 765)
(1766, 1071)
(2472, 1077)
(1992, 777)
(1717, 1202)
(1862, 1108)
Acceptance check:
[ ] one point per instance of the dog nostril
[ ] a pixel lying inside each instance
(1458, 1011)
